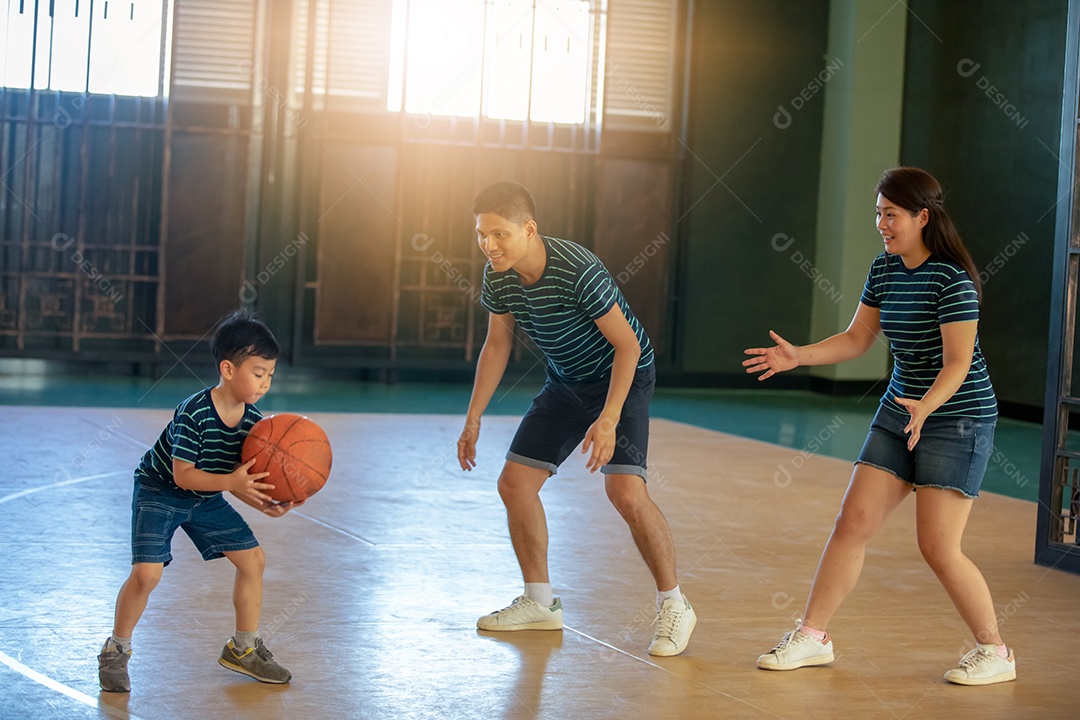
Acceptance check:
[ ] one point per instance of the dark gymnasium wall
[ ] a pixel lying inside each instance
(982, 107)
(981, 110)
(749, 178)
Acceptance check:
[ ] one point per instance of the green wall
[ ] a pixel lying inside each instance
(982, 112)
(749, 178)
(863, 118)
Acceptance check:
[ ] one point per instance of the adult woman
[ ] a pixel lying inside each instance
(933, 431)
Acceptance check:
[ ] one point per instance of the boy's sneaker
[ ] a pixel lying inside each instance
(523, 614)
(983, 666)
(257, 662)
(674, 623)
(112, 668)
(795, 650)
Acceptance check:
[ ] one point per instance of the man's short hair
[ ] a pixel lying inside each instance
(507, 199)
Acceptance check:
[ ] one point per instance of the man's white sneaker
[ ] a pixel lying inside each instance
(523, 614)
(983, 666)
(674, 623)
(795, 650)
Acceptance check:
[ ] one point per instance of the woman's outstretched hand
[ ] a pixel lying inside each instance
(784, 356)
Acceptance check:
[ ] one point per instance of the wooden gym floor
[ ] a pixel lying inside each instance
(373, 588)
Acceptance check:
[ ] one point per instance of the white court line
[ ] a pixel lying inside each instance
(335, 528)
(670, 672)
(73, 481)
(63, 689)
(34, 674)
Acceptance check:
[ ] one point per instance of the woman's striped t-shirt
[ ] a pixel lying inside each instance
(914, 304)
(196, 435)
(559, 311)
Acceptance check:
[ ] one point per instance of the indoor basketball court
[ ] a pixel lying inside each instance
(591, 223)
(373, 587)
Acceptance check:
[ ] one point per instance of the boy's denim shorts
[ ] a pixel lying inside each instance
(561, 414)
(952, 452)
(211, 523)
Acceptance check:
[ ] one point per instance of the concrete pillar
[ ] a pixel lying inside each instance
(861, 139)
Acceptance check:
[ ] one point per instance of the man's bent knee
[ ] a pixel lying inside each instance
(627, 493)
(520, 482)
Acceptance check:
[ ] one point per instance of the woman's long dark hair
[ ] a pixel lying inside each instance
(914, 189)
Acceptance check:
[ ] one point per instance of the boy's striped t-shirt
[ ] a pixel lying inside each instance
(559, 311)
(196, 435)
(914, 304)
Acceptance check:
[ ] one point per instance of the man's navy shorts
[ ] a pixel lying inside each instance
(561, 414)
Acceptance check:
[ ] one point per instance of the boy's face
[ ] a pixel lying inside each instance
(249, 380)
(503, 241)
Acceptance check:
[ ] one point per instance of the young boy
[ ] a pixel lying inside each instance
(180, 482)
(600, 377)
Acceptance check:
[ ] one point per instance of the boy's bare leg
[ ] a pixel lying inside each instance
(247, 587)
(130, 604)
(133, 596)
(246, 653)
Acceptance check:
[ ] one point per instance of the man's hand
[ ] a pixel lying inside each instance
(466, 444)
(601, 438)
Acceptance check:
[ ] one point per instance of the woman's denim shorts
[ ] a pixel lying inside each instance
(952, 452)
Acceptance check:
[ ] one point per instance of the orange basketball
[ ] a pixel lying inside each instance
(294, 450)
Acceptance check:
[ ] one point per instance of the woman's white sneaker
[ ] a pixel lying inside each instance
(983, 666)
(795, 650)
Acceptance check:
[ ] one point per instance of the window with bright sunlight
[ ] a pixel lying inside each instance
(500, 59)
(107, 46)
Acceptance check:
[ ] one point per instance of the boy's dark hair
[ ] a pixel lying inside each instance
(507, 199)
(240, 336)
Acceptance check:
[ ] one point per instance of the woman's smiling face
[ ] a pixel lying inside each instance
(901, 231)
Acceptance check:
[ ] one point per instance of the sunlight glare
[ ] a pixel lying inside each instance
(124, 51)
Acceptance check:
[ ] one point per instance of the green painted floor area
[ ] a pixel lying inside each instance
(806, 422)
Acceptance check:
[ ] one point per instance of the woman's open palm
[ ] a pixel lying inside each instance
(769, 361)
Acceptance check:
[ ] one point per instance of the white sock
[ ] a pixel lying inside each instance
(662, 595)
(540, 592)
(122, 644)
(245, 640)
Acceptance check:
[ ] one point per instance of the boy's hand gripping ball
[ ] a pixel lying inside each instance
(294, 450)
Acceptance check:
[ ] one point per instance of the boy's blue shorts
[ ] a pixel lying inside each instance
(211, 523)
(561, 414)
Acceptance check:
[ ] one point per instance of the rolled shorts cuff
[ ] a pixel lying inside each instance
(533, 463)
(625, 470)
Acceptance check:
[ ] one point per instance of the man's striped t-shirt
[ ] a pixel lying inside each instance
(559, 311)
(915, 303)
(196, 435)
